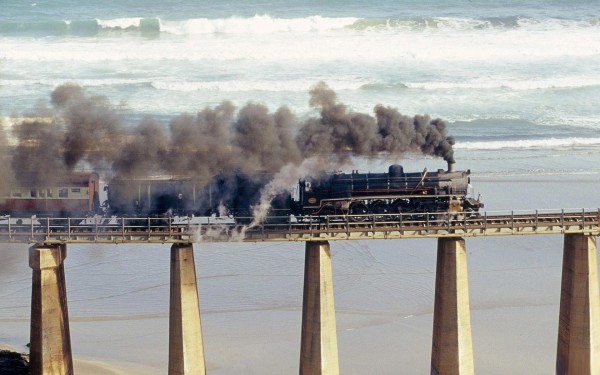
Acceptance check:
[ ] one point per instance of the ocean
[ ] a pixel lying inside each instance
(517, 82)
(505, 75)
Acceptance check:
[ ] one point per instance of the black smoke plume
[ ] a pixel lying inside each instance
(93, 128)
(339, 131)
(38, 158)
(85, 131)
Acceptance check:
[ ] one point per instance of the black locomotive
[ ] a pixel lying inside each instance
(395, 192)
(355, 194)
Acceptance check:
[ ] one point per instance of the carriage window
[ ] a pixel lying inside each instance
(16, 194)
(42, 193)
(63, 193)
(49, 193)
(76, 190)
(33, 193)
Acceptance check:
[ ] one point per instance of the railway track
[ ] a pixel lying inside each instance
(346, 227)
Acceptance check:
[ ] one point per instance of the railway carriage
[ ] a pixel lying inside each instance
(151, 197)
(77, 196)
(233, 193)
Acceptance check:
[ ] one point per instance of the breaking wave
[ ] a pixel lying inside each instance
(548, 143)
(259, 24)
(266, 24)
(91, 27)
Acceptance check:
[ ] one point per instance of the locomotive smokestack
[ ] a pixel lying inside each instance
(451, 166)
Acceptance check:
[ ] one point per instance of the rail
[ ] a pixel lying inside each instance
(310, 228)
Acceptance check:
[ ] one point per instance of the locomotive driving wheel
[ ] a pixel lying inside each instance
(360, 209)
(379, 208)
(399, 207)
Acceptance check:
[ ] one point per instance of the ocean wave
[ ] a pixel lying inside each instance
(548, 143)
(471, 24)
(492, 83)
(421, 24)
(259, 24)
(93, 27)
(578, 85)
(87, 82)
(266, 24)
(299, 85)
(383, 86)
(496, 52)
(511, 83)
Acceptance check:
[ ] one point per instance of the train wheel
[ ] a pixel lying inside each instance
(360, 209)
(397, 208)
(380, 209)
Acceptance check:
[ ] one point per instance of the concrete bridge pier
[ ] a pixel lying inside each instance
(50, 341)
(318, 349)
(452, 348)
(578, 350)
(186, 349)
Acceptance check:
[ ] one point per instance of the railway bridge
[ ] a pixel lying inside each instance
(578, 335)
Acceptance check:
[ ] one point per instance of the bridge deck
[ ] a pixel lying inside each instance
(191, 230)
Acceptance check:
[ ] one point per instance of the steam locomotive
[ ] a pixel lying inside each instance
(235, 193)
(394, 192)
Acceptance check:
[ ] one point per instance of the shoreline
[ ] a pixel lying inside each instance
(90, 366)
